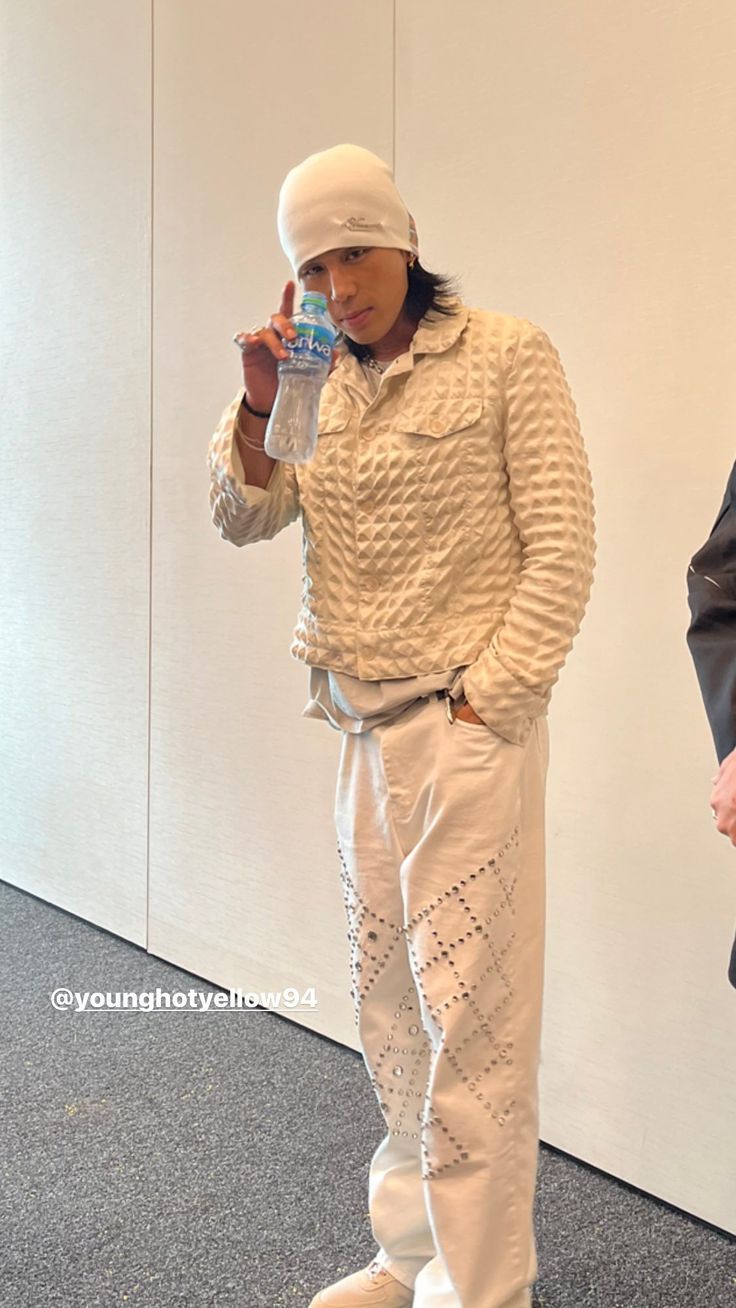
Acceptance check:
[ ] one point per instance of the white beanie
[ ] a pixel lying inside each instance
(342, 197)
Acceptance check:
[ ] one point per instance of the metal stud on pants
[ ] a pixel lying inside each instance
(440, 834)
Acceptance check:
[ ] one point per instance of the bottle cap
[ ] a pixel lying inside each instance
(315, 298)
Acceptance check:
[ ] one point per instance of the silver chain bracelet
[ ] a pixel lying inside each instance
(251, 444)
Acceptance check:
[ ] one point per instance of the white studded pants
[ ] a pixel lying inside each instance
(440, 831)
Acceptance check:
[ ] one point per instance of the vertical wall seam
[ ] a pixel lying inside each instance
(150, 503)
(393, 100)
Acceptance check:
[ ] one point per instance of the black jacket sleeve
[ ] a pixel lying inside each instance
(711, 636)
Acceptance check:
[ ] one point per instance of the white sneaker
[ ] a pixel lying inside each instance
(373, 1287)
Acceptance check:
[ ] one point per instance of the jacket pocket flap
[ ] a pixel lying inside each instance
(439, 421)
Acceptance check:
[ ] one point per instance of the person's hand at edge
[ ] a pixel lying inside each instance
(723, 797)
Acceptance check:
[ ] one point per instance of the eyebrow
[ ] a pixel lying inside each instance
(341, 249)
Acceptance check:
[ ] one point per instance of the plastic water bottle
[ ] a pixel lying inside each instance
(291, 433)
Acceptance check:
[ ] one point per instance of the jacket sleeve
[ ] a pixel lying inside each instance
(242, 513)
(711, 635)
(551, 499)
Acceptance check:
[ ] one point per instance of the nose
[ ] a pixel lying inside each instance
(341, 289)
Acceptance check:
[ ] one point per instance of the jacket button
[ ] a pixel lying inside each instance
(368, 653)
(369, 435)
(436, 425)
(371, 583)
(369, 505)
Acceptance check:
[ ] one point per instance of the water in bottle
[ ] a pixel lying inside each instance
(291, 433)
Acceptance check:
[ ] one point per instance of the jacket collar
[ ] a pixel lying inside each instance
(435, 333)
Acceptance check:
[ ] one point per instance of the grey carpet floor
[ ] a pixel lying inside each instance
(221, 1161)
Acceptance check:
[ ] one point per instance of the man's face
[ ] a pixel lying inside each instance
(359, 278)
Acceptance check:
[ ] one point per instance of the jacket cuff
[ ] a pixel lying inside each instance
(506, 705)
(227, 465)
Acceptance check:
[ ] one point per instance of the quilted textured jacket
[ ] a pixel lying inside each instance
(446, 520)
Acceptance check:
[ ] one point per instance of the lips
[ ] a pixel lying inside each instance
(355, 316)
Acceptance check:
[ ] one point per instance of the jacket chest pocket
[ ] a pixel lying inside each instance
(446, 450)
(331, 434)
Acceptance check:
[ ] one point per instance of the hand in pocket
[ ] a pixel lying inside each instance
(467, 714)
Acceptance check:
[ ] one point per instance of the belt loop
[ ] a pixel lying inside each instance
(450, 718)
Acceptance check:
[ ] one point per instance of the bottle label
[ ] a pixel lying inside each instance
(312, 340)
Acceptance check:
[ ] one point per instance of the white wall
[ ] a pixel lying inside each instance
(572, 163)
(75, 371)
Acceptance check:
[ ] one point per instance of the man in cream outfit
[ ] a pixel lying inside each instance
(448, 548)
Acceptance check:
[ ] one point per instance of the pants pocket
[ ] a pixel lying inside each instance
(482, 731)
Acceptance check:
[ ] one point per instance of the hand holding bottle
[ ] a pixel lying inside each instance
(303, 369)
(261, 354)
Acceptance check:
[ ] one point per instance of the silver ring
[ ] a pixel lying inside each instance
(239, 337)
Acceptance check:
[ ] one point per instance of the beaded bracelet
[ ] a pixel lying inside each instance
(255, 412)
(252, 445)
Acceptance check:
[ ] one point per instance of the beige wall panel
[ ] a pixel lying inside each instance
(245, 887)
(587, 183)
(75, 101)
